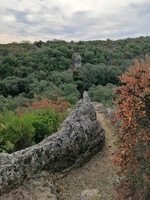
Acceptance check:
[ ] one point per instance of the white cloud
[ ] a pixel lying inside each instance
(8, 18)
(72, 19)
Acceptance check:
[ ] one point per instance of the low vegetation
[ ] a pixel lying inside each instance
(29, 125)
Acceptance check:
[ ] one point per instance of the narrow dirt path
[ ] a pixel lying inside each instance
(98, 173)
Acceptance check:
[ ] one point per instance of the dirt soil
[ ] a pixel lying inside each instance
(98, 173)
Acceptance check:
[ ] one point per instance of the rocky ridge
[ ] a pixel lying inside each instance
(80, 137)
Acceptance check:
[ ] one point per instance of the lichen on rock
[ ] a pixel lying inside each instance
(80, 137)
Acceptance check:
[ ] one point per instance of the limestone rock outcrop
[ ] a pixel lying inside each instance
(90, 195)
(76, 60)
(38, 187)
(100, 108)
(80, 137)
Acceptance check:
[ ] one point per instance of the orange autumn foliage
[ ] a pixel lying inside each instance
(133, 154)
(59, 104)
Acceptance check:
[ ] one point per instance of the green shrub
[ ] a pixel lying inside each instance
(16, 132)
(102, 94)
(20, 130)
(46, 121)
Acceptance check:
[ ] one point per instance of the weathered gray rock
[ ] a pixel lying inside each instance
(76, 60)
(90, 194)
(38, 187)
(100, 108)
(78, 140)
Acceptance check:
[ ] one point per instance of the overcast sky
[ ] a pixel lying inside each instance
(76, 20)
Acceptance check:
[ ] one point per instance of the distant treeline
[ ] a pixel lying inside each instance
(44, 69)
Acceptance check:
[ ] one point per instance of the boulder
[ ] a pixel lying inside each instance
(90, 195)
(76, 60)
(39, 186)
(78, 140)
(100, 108)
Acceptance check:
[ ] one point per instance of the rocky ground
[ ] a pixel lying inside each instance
(98, 173)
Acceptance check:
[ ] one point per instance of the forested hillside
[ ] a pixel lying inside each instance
(46, 69)
(40, 82)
